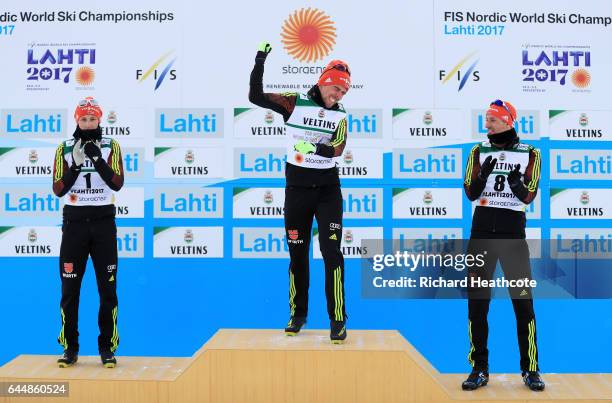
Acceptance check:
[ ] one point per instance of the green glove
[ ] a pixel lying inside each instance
(265, 47)
(305, 147)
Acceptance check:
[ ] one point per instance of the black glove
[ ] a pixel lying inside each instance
(487, 167)
(514, 177)
(92, 151)
(516, 184)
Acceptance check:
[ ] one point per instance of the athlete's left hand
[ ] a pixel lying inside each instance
(92, 151)
(514, 177)
(305, 147)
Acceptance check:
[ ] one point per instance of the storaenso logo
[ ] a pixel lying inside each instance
(263, 243)
(527, 124)
(192, 123)
(175, 202)
(362, 203)
(423, 162)
(37, 201)
(364, 123)
(580, 164)
(130, 241)
(259, 162)
(33, 123)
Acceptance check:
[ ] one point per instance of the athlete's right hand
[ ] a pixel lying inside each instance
(78, 154)
(487, 167)
(264, 47)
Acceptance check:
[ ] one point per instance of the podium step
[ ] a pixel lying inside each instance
(238, 365)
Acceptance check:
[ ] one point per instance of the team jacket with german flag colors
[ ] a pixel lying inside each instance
(497, 192)
(306, 119)
(95, 184)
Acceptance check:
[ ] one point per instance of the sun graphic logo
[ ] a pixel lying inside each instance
(308, 35)
(85, 76)
(581, 78)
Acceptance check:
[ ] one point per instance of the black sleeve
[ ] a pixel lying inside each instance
(280, 103)
(473, 183)
(338, 142)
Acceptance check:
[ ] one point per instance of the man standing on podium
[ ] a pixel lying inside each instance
(316, 134)
(503, 175)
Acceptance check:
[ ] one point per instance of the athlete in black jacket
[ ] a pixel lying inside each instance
(316, 133)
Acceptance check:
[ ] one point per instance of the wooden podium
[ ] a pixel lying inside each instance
(267, 366)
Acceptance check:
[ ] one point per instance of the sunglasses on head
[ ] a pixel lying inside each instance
(339, 67)
(499, 102)
(88, 102)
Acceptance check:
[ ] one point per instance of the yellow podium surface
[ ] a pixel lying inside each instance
(266, 366)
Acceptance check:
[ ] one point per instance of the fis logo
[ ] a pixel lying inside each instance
(460, 72)
(159, 70)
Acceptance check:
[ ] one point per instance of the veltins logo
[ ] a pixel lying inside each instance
(257, 123)
(26, 162)
(258, 202)
(197, 163)
(308, 35)
(580, 125)
(580, 203)
(425, 126)
(183, 242)
(437, 203)
(165, 63)
(30, 241)
(459, 73)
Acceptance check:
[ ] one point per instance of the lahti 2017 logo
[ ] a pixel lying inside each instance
(159, 76)
(308, 35)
